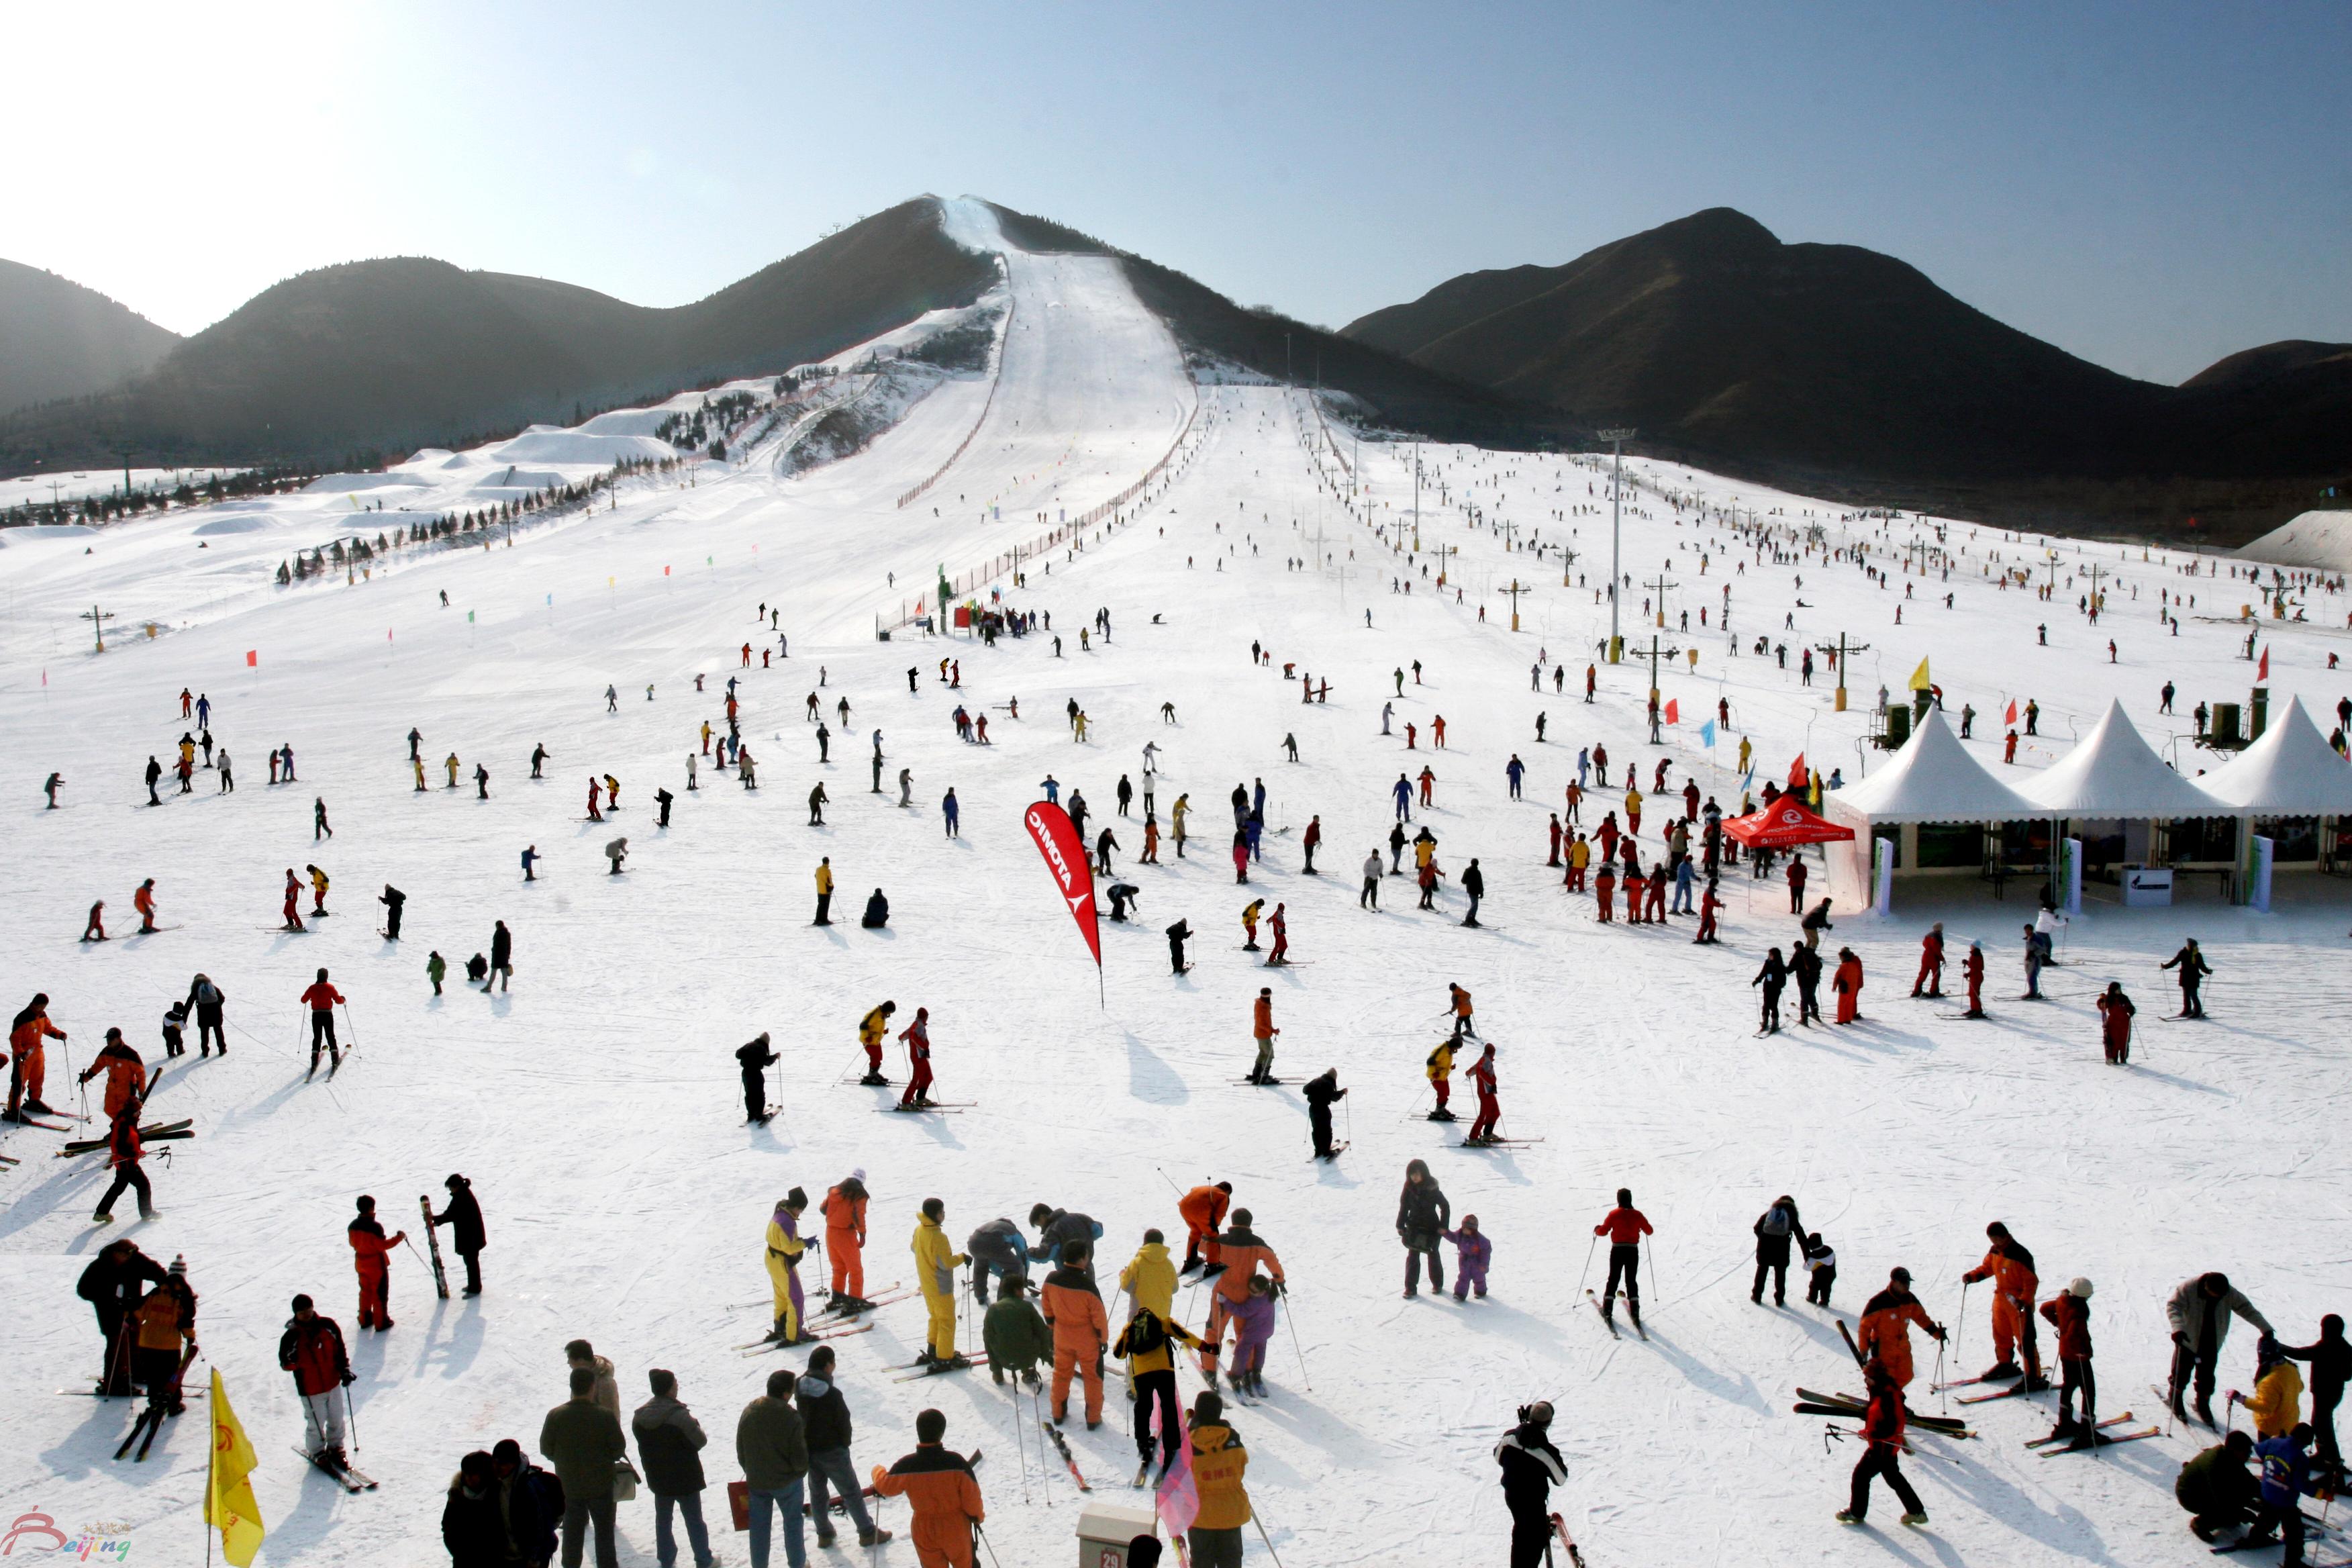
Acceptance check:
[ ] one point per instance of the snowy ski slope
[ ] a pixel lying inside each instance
(595, 1105)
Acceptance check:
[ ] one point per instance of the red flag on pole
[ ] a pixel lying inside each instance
(1065, 857)
(1797, 774)
(2265, 673)
(1674, 711)
(2013, 713)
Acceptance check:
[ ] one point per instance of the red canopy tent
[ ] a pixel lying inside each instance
(1785, 825)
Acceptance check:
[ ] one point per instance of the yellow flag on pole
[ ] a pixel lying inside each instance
(228, 1495)
(1919, 681)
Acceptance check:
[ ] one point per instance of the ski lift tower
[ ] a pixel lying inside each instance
(1616, 439)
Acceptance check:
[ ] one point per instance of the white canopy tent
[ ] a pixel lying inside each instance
(1932, 779)
(2112, 772)
(2291, 771)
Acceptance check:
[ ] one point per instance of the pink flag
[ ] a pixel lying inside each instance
(1179, 1498)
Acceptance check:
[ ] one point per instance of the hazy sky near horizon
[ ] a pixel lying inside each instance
(2149, 186)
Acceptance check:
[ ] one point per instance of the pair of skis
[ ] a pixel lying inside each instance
(933, 1369)
(350, 1479)
(1610, 1323)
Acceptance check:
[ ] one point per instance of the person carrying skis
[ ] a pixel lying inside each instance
(1241, 1252)
(935, 1265)
(1929, 982)
(917, 1037)
(2010, 1269)
(2116, 1012)
(371, 1259)
(1322, 1092)
(123, 1149)
(782, 1257)
(1774, 1230)
(1881, 1430)
(464, 1219)
(1262, 1029)
(2191, 962)
(1203, 1210)
(321, 998)
(937, 1483)
(1490, 1107)
(1440, 1069)
(1423, 1215)
(1532, 1467)
(1884, 1334)
(1081, 1328)
(843, 1207)
(1624, 1226)
(870, 1031)
(312, 1349)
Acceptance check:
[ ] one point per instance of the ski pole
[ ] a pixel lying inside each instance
(350, 1418)
(1960, 1332)
(1292, 1320)
(1262, 1536)
(1020, 1446)
(982, 1536)
(1171, 1181)
(1587, 1269)
(351, 1026)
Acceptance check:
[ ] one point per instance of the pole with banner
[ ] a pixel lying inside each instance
(1057, 837)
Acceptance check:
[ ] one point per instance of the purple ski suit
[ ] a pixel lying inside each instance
(1470, 1262)
(1253, 1327)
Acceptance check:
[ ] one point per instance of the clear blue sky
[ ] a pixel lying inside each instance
(2149, 186)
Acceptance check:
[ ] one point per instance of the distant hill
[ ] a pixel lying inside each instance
(390, 355)
(1206, 322)
(58, 339)
(1845, 371)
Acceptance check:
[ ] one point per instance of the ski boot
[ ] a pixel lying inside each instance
(2000, 1370)
(2036, 1384)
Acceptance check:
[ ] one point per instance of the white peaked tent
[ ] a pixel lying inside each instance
(2291, 771)
(1932, 779)
(2112, 772)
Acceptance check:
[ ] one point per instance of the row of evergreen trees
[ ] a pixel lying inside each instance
(467, 527)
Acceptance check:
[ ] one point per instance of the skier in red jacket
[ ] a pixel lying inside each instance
(1624, 1226)
(1490, 1110)
(1930, 981)
(312, 1350)
(1882, 1425)
(1972, 968)
(917, 1037)
(321, 999)
(368, 1248)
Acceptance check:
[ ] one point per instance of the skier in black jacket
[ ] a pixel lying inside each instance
(1532, 1467)
(2193, 969)
(113, 1284)
(757, 1058)
(1805, 969)
(2331, 1366)
(1321, 1094)
(1774, 978)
